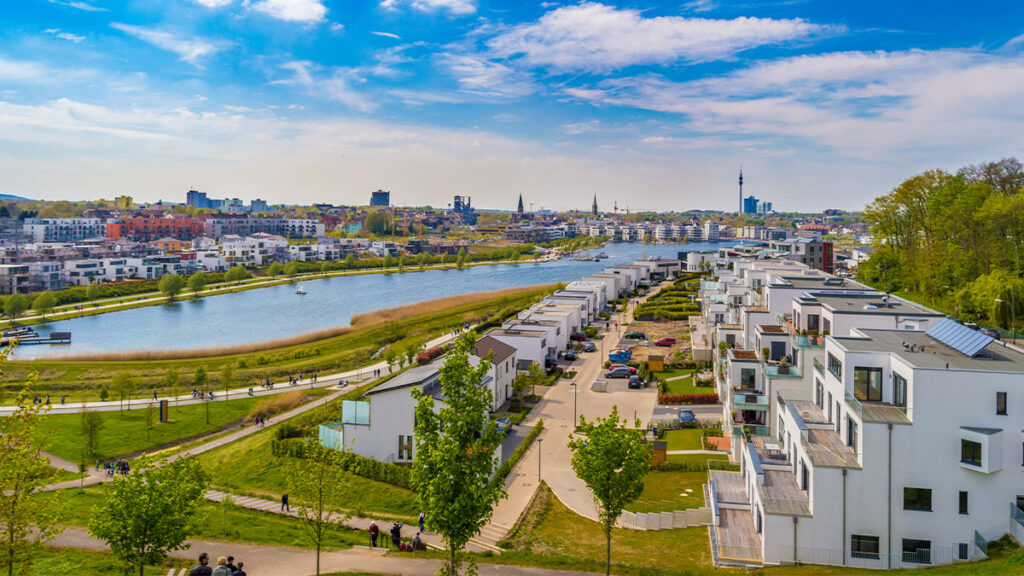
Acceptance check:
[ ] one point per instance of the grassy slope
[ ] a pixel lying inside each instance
(665, 490)
(82, 379)
(75, 562)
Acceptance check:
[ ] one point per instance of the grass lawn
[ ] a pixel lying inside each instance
(685, 386)
(74, 561)
(674, 373)
(685, 439)
(219, 523)
(125, 432)
(695, 459)
(666, 490)
(248, 468)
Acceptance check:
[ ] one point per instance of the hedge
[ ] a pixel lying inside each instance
(688, 399)
(430, 355)
(506, 468)
(394, 474)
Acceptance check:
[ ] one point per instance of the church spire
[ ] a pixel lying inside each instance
(594, 209)
(519, 210)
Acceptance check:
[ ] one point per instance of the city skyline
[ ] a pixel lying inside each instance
(655, 107)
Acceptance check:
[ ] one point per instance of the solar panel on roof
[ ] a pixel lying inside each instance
(959, 337)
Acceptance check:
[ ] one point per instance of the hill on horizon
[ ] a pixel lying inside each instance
(13, 197)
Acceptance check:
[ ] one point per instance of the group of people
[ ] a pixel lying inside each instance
(39, 400)
(225, 567)
(198, 394)
(396, 536)
(121, 467)
(294, 380)
(261, 421)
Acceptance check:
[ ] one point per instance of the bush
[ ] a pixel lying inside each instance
(277, 404)
(287, 430)
(429, 356)
(349, 461)
(688, 399)
(506, 468)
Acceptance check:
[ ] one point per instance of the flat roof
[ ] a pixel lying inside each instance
(411, 377)
(518, 333)
(531, 322)
(857, 303)
(770, 329)
(931, 353)
(819, 283)
(743, 355)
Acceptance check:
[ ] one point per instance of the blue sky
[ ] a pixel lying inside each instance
(650, 105)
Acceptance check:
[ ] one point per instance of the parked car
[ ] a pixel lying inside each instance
(632, 369)
(617, 372)
(570, 355)
(635, 336)
(666, 341)
(504, 425)
(686, 415)
(990, 332)
(578, 336)
(634, 382)
(620, 355)
(589, 347)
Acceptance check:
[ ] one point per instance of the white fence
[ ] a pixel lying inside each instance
(665, 520)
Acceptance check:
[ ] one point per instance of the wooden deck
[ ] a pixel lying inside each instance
(738, 540)
(884, 413)
(809, 411)
(729, 487)
(827, 449)
(781, 494)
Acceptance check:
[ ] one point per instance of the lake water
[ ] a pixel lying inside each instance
(278, 312)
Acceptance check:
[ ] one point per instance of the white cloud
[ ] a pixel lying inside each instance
(574, 128)
(482, 76)
(334, 85)
(386, 35)
(458, 7)
(597, 38)
(337, 28)
(701, 6)
(310, 11)
(76, 4)
(190, 50)
(64, 35)
(213, 3)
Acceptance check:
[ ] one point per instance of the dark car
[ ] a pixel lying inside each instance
(570, 355)
(666, 341)
(990, 332)
(617, 372)
(635, 336)
(578, 336)
(589, 347)
(634, 382)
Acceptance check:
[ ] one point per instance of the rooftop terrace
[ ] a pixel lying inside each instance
(931, 354)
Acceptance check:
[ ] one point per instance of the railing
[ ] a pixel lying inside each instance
(980, 543)
(854, 403)
(834, 557)
(806, 342)
(739, 553)
(740, 430)
(819, 368)
(777, 371)
(1017, 522)
(741, 401)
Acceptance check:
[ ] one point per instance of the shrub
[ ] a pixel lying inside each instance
(287, 430)
(506, 468)
(277, 404)
(429, 355)
(688, 399)
(349, 461)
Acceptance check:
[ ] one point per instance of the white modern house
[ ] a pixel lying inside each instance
(530, 345)
(556, 341)
(614, 284)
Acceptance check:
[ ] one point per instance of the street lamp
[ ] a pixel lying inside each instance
(575, 419)
(539, 441)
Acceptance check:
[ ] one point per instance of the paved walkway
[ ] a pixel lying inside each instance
(281, 561)
(100, 477)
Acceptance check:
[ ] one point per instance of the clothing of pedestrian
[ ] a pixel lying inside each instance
(231, 565)
(222, 568)
(396, 534)
(238, 571)
(284, 503)
(374, 532)
(417, 543)
(422, 519)
(202, 569)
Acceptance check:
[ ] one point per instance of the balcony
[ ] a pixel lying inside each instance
(854, 404)
(819, 367)
(749, 401)
(776, 371)
(740, 430)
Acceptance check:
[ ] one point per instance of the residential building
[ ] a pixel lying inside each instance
(46, 276)
(64, 229)
(150, 228)
(380, 198)
(14, 278)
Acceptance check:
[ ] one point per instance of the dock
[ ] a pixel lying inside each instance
(53, 338)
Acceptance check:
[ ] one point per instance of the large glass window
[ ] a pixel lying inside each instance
(867, 384)
(863, 546)
(917, 499)
(917, 551)
(899, 390)
(747, 377)
(1001, 403)
(970, 452)
(835, 366)
(812, 323)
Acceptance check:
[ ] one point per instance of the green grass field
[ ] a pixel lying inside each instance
(695, 459)
(126, 432)
(666, 490)
(54, 561)
(685, 439)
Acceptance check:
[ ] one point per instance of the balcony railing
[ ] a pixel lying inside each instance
(807, 342)
(778, 371)
(854, 404)
(744, 401)
(819, 367)
(738, 430)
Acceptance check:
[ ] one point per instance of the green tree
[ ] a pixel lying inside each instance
(460, 260)
(455, 446)
(92, 423)
(171, 285)
(411, 351)
(291, 269)
(389, 260)
(26, 522)
(378, 223)
(227, 380)
(350, 260)
(236, 274)
(124, 384)
(151, 511)
(276, 269)
(15, 305)
(196, 283)
(534, 375)
(612, 461)
(325, 267)
(104, 392)
(317, 489)
(92, 292)
(44, 302)
(391, 357)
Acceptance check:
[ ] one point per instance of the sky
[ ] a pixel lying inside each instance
(650, 106)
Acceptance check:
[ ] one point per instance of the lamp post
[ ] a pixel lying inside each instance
(539, 442)
(575, 419)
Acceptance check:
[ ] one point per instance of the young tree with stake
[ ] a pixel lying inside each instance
(316, 489)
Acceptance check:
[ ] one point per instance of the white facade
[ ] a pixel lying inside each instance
(64, 229)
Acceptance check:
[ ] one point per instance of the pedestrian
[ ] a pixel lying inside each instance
(284, 502)
(374, 532)
(61, 399)
(396, 534)
(222, 568)
(417, 543)
(231, 565)
(154, 396)
(238, 571)
(422, 518)
(202, 569)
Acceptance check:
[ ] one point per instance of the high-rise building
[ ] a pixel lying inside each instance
(257, 206)
(197, 199)
(750, 205)
(519, 209)
(593, 210)
(380, 198)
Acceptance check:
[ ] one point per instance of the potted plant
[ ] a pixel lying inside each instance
(784, 365)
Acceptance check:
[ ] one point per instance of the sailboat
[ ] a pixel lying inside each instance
(300, 290)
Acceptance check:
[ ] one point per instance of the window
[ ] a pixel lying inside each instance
(917, 551)
(747, 377)
(963, 551)
(917, 499)
(864, 546)
(835, 366)
(899, 390)
(1001, 403)
(805, 480)
(812, 323)
(970, 452)
(818, 393)
(867, 384)
(851, 433)
(963, 502)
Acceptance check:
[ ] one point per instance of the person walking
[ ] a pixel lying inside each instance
(284, 502)
(231, 565)
(222, 568)
(202, 569)
(422, 518)
(239, 571)
(374, 532)
(396, 534)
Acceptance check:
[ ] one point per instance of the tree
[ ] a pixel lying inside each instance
(612, 461)
(325, 267)
(378, 223)
(389, 260)
(196, 283)
(104, 392)
(92, 423)
(171, 285)
(15, 305)
(26, 522)
(236, 274)
(92, 292)
(534, 375)
(151, 511)
(317, 489)
(291, 269)
(455, 444)
(124, 384)
(460, 260)
(171, 381)
(391, 357)
(276, 269)
(44, 302)
(350, 260)
(411, 351)
(227, 380)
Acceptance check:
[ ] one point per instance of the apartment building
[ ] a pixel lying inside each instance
(64, 229)
(46, 276)
(14, 278)
(146, 229)
(85, 272)
(256, 250)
